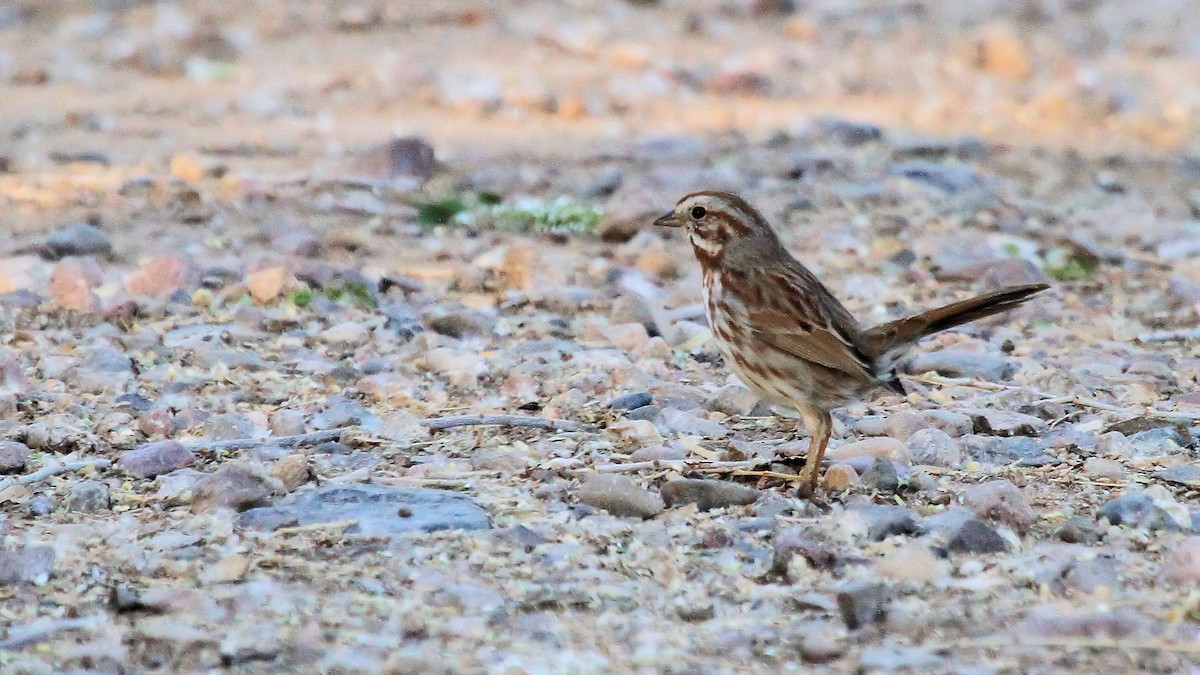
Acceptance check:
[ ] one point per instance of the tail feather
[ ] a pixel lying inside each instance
(880, 340)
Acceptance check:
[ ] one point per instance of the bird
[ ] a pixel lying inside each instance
(785, 335)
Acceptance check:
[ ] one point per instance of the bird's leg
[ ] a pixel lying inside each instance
(820, 427)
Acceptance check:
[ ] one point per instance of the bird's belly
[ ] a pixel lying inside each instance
(772, 375)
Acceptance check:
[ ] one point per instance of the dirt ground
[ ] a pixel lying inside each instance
(254, 255)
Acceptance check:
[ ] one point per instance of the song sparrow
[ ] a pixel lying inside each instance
(784, 334)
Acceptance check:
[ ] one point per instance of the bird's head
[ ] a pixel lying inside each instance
(721, 226)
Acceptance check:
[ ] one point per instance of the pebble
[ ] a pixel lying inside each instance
(976, 536)
(685, 422)
(1137, 510)
(734, 400)
(881, 475)
(953, 423)
(631, 401)
(796, 540)
(346, 334)
(886, 520)
(227, 427)
(846, 132)
(934, 447)
(27, 564)
(377, 511)
(88, 496)
(1103, 468)
(153, 459)
(964, 363)
(620, 496)
(231, 486)
(39, 505)
(840, 477)
(1079, 530)
(862, 604)
(1183, 564)
(407, 157)
(999, 501)
(292, 471)
(902, 425)
(633, 308)
(71, 284)
(79, 239)
(267, 284)
(912, 562)
(13, 456)
(707, 494)
(1182, 474)
(284, 422)
(161, 276)
(870, 447)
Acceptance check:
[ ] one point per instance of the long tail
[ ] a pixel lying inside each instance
(880, 340)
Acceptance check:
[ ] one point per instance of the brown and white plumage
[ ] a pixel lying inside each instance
(783, 333)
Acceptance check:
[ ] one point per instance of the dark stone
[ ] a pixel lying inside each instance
(1079, 530)
(884, 521)
(791, 541)
(846, 132)
(1183, 474)
(863, 604)
(1137, 510)
(976, 536)
(88, 496)
(631, 401)
(881, 476)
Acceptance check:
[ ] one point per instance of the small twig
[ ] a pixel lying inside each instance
(1067, 643)
(1170, 335)
(54, 470)
(443, 423)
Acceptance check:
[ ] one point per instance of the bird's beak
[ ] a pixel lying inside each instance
(669, 220)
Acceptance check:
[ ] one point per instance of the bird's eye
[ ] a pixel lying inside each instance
(698, 212)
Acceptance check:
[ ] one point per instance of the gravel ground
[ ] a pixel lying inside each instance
(275, 279)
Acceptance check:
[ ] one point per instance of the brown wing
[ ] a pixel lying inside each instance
(802, 318)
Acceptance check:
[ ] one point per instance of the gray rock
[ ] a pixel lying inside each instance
(1158, 442)
(1137, 511)
(377, 510)
(1079, 530)
(31, 563)
(228, 427)
(13, 457)
(342, 412)
(286, 423)
(795, 540)
(619, 496)
(1182, 474)
(79, 239)
(457, 321)
(884, 521)
(233, 486)
(732, 399)
(686, 423)
(993, 422)
(934, 447)
(1022, 450)
(646, 412)
(999, 501)
(946, 177)
(407, 157)
(631, 401)
(964, 363)
(976, 536)
(953, 423)
(862, 604)
(39, 505)
(881, 475)
(88, 496)
(153, 459)
(707, 494)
